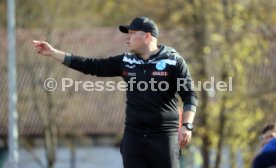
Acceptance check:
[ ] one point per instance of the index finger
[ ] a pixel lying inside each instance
(36, 42)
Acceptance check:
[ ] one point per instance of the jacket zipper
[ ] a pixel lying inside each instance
(146, 94)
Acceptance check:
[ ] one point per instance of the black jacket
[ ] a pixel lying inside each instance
(155, 108)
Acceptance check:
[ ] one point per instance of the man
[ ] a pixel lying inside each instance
(268, 132)
(265, 158)
(151, 134)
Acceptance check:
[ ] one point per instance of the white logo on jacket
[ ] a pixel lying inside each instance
(130, 66)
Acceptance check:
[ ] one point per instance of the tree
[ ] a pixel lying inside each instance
(44, 103)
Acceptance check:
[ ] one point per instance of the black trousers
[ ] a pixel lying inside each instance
(149, 151)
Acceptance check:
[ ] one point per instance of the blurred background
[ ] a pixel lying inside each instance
(80, 129)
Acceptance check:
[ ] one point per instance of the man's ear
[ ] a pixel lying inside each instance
(148, 36)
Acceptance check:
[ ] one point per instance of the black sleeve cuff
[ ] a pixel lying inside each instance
(189, 107)
(67, 59)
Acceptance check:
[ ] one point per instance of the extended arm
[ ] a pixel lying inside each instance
(107, 67)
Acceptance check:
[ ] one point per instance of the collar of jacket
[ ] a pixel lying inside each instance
(163, 52)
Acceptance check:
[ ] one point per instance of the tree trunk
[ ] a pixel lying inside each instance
(51, 144)
(199, 28)
(224, 75)
(221, 129)
(205, 137)
(205, 152)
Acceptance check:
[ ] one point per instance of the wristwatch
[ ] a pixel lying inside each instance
(189, 126)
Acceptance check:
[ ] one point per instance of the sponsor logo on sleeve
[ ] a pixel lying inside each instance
(126, 73)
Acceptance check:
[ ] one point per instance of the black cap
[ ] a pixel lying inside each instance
(143, 24)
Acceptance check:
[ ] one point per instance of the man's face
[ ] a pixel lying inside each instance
(136, 41)
(267, 137)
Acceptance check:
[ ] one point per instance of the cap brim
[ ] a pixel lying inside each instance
(124, 29)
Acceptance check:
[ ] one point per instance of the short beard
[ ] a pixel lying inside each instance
(134, 52)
